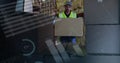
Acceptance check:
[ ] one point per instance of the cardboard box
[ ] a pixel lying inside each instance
(69, 27)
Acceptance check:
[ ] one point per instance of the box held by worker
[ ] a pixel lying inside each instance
(69, 27)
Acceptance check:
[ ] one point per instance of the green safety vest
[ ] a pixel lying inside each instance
(72, 15)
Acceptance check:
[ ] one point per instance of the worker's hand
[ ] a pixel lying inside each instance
(80, 14)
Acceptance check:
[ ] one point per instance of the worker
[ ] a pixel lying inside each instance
(68, 13)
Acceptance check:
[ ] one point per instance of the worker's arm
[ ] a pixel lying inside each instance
(80, 15)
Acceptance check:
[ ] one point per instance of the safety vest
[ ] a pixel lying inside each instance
(72, 15)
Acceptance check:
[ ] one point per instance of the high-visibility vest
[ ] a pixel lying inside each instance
(63, 15)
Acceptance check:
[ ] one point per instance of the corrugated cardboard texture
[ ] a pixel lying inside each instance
(69, 27)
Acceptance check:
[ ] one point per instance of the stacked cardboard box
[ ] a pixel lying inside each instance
(46, 7)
